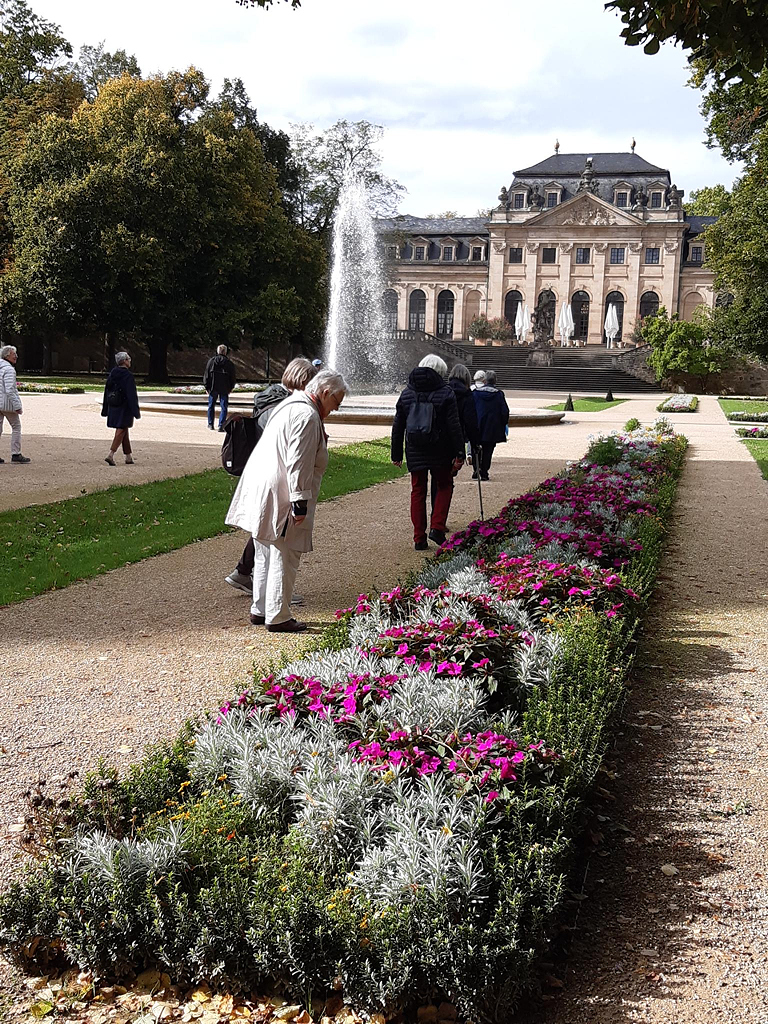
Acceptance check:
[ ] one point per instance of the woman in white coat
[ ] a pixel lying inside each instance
(10, 403)
(276, 497)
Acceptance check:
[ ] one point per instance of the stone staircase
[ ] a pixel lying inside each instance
(572, 369)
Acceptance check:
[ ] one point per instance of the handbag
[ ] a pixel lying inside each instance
(115, 396)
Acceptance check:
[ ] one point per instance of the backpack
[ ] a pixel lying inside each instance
(115, 396)
(420, 424)
(239, 442)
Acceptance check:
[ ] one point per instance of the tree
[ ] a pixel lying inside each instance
(30, 47)
(736, 111)
(147, 212)
(709, 201)
(96, 66)
(683, 346)
(729, 39)
(322, 162)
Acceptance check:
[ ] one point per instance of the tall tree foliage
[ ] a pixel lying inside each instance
(148, 212)
(30, 47)
(709, 201)
(95, 67)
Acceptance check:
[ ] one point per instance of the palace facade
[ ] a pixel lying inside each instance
(588, 230)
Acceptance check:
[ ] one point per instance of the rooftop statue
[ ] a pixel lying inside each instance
(535, 199)
(673, 197)
(504, 196)
(587, 182)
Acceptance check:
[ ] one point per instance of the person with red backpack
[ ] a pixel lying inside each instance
(427, 419)
(298, 373)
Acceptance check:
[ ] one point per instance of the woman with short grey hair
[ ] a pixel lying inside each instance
(10, 403)
(277, 494)
(120, 406)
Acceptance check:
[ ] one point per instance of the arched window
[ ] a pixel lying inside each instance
(445, 314)
(724, 300)
(545, 315)
(417, 311)
(692, 302)
(512, 302)
(615, 299)
(580, 311)
(471, 309)
(390, 310)
(649, 304)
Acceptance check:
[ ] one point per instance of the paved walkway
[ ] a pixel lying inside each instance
(102, 667)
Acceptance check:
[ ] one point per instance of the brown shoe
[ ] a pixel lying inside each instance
(289, 626)
(257, 620)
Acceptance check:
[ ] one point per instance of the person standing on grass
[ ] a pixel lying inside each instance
(10, 403)
(277, 494)
(298, 373)
(427, 419)
(219, 379)
(492, 421)
(121, 406)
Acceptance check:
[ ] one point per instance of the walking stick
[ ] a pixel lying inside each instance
(476, 459)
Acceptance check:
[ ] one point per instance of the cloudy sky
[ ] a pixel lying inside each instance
(467, 92)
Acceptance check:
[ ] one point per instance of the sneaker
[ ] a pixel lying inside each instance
(210, 426)
(438, 536)
(289, 626)
(19, 458)
(298, 600)
(222, 430)
(421, 545)
(240, 582)
(129, 460)
(109, 460)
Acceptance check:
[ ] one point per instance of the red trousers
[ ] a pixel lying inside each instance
(442, 481)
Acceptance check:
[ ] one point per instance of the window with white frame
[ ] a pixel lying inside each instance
(393, 251)
(419, 252)
(622, 198)
(697, 254)
(516, 254)
(477, 253)
(617, 254)
(549, 254)
(582, 254)
(448, 253)
(656, 200)
(652, 254)
(551, 199)
(519, 201)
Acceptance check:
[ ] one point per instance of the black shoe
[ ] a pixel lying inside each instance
(484, 476)
(19, 458)
(257, 620)
(2, 462)
(210, 426)
(421, 545)
(437, 536)
(474, 476)
(222, 430)
(290, 626)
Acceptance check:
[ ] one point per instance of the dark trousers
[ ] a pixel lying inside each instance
(442, 481)
(223, 399)
(245, 565)
(481, 458)
(121, 438)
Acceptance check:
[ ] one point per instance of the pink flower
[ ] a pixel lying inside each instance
(491, 796)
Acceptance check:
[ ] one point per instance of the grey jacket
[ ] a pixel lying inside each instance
(9, 393)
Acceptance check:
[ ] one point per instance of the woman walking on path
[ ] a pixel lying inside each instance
(459, 383)
(10, 403)
(297, 374)
(120, 406)
(492, 420)
(427, 418)
(277, 494)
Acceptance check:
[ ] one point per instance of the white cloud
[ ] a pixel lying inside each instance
(468, 92)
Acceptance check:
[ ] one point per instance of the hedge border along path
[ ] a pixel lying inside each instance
(395, 813)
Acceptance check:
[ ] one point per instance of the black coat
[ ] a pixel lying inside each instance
(449, 442)
(467, 414)
(219, 377)
(492, 415)
(120, 416)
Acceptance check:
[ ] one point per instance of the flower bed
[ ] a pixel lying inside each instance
(679, 403)
(49, 389)
(198, 389)
(748, 417)
(759, 432)
(392, 815)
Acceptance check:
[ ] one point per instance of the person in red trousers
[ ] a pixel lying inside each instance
(427, 420)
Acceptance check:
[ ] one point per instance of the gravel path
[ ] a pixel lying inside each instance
(103, 667)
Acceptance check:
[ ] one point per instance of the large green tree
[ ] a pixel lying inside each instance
(95, 66)
(728, 37)
(683, 346)
(709, 201)
(147, 212)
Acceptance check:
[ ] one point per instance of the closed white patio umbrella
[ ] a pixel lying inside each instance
(571, 325)
(526, 326)
(563, 326)
(519, 323)
(611, 325)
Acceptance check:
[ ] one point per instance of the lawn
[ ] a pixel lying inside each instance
(47, 547)
(759, 452)
(588, 404)
(743, 405)
(87, 383)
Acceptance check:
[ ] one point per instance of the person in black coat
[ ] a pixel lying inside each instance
(492, 421)
(121, 406)
(459, 382)
(437, 452)
(219, 379)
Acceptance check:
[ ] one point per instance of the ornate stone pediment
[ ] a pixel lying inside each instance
(585, 209)
(499, 246)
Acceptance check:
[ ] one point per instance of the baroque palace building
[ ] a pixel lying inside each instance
(589, 230)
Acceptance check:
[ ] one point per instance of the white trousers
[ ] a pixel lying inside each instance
(15, 421)
(274, 575)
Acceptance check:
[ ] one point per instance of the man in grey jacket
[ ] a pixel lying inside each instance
(10, 403)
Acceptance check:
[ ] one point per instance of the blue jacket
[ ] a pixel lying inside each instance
(120, 416)
(449, 442)
(492, 415)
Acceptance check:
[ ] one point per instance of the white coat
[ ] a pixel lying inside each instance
(9, 393)
(286, 465)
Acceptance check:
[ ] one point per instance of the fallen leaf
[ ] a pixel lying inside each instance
(669, 870)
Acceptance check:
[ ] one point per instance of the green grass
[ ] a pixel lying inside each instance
(588, 404)
(742, 405)
(87, 383)
(47, 547)
(759, 452)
